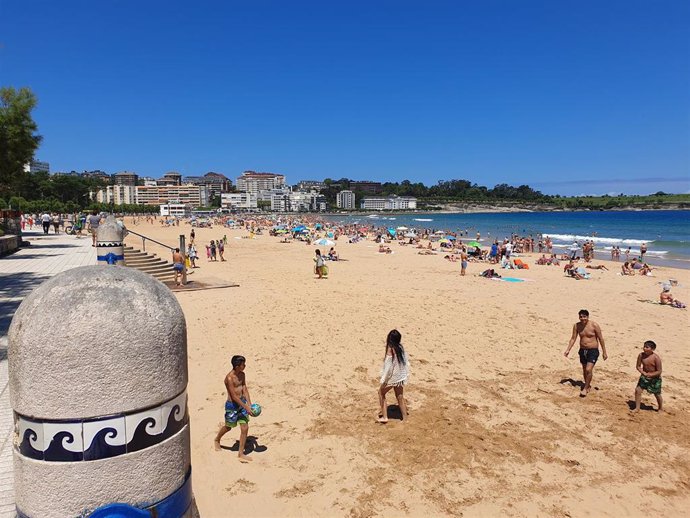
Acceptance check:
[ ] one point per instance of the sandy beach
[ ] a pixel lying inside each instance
(496, 424)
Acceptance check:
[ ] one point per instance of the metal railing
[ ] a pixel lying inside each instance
(145, 238)
(183, 249)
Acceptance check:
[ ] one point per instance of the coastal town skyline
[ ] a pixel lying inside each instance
(571, 102)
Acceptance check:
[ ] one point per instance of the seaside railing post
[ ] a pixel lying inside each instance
(143, 244)
(183, 251)
(118, 447)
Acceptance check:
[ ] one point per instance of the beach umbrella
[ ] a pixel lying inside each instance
(329, 234)
(439, 232)
(444, 241)
(450, 238)
(391, 231)
(410, 234)
(403, 228)
(300, 228)
(473, 244)
(324, 242)
(281, 231)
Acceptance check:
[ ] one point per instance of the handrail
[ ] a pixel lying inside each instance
(144, 238)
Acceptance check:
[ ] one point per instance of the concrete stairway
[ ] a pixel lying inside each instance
(149, 263)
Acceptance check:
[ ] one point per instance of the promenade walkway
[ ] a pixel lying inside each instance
(20, 273)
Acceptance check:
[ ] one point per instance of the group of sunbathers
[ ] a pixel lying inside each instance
(635, 266)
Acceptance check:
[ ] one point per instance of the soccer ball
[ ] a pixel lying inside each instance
(256, 409)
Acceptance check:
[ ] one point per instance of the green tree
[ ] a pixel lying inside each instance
(18, 138)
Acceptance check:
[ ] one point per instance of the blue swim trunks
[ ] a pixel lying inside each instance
(234, 414)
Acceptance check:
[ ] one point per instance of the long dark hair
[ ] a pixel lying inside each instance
(393, 341)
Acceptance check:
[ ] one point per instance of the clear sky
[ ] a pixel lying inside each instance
(569, 97)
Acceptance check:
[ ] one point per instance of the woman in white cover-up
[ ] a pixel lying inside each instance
(394, 375)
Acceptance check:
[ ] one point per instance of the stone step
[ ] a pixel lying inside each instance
(154, 268)
(143, 260)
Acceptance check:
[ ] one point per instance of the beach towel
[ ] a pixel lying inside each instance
(507, 279)
(657, 303)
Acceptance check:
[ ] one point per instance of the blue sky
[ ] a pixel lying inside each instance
(584, 97)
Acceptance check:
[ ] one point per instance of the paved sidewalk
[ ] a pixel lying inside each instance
(20, 273)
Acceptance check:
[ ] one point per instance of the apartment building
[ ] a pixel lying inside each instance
(345, 200)
(251, 181)
(170, 179)
(242, 201)
(36, 166)
(163, 194)
(367, 187)
(117, 194)
(125, 178)
(389, 203)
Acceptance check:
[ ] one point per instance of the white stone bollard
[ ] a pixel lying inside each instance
(98, 378)
(109, 242)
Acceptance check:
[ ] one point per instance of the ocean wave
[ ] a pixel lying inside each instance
(423, 219)
(569, 238)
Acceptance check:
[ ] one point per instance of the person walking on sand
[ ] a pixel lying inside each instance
(649, 367)
(221, 249)
(394, 375)
(320, 263)
(238, 406)
(590, 340)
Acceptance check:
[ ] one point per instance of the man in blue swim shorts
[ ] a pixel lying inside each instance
(590, 340)
(237, 407)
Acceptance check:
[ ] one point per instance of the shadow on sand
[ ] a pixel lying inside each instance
(251, 446)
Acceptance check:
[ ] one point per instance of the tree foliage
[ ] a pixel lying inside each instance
(18, 138)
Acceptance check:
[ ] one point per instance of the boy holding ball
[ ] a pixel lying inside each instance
(237, 407)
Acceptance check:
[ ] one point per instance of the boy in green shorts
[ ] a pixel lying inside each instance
(649, 367)
(237, 407)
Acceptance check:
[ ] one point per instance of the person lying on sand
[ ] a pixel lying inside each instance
(451, 258)
(426, 252)
(626, 269)
(385, 249)
(597, 267)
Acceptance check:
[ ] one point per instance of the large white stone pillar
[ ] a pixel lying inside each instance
(98, 377)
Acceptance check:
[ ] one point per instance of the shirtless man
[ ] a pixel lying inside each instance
(237, 407)
(590, 339)
(178, 264)
(649, 367)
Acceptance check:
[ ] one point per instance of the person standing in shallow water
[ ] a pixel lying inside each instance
(590, 340)
(394, 375)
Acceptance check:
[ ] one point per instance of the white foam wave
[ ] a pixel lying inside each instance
(569, 238)
(423, 219)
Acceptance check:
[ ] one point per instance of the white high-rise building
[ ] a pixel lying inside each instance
(345, 200)
(238, 201)
(254, 182)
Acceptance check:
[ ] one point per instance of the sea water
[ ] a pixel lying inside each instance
(666, 232)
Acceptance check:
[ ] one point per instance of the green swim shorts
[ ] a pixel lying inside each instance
(651, 385)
